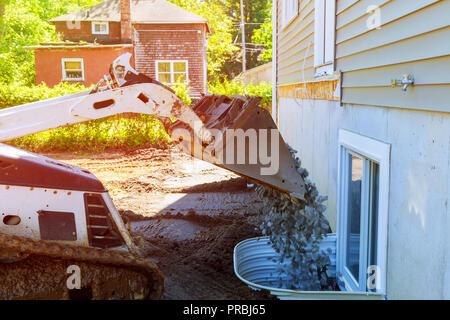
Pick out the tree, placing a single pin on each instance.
(3, 4)
(256, 13)
(263, 36)
(25, 23)
(220, 43)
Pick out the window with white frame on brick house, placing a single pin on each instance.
(172, 72)
(363, 188)
(72, 69)
(289, 10)
(324, 36)
(100, 27)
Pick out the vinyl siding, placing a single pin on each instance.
(413, 39)
(295, 45)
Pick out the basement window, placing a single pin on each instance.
(172, 72)
(289, 10)
(100, 28)
(324, 36)
(362, 212)
(72, 69)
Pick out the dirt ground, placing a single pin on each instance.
(191, 215)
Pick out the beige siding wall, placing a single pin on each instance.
(414, 39)
(295, 45)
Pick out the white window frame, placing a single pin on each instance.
(172, 73)
(289, 10)
(64, 75)
(324, 36)
(104, 23)
(378, 152)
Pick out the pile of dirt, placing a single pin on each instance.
(186, 215)
(206, 261)
(219, 252)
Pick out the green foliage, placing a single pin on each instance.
(263, 36)
(231, 88)
(182, 90)
(117, 132)
(48, 9)
(14, 95)
(220, 42)
(256, 12)
(25, 23)
(21, 28)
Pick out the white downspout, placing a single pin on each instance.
(205, 60)
(274, 60)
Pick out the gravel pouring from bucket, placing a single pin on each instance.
(237, 119)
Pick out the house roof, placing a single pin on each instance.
(77, 45)
(142, 11)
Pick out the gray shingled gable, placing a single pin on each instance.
(142, 11)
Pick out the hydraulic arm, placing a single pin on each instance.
(231, 132)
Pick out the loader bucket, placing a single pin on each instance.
(246, 141)
(232, 132)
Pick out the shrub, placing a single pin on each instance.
(14, 95)
(182, 90)
(231, 88)
(115, 132)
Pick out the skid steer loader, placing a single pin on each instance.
(56, 218)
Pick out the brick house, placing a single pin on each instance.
(168, 43)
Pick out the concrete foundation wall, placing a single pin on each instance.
(419, 216)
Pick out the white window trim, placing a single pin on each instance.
(102, 23)
(288, 16)
(324, 36)
(378, 152)
(172, 80)
(64, 76)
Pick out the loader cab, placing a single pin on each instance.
(45, 199)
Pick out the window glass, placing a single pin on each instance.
(163, 66)
(324, 36)
(179, 77)
(179, 66)
(354, 215)
(164, 77)
(73, 65)
(100, 28)
(362, 212)
(373, 219)
(72, 69)
(74, 74)
(172, 72)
